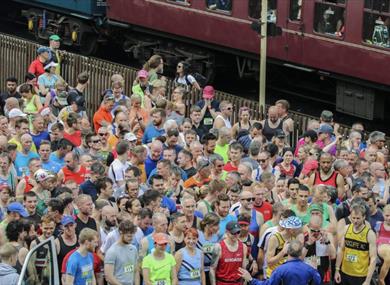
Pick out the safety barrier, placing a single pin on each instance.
(16, 54)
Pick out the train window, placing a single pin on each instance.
(329, 18)
(254, 10)
(376, 23)
(220, 5)
(295, 10)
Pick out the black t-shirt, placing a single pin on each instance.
(91, 223)
(190, 172)
(4, 96)
(36, 219)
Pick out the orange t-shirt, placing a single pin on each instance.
(101, 115)
(192, 182)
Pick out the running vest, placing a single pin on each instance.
(28, 186)
(78, 177)
(271, 268)
(269, 132)
(190, 269)
(383, 235)
(331, 181)
(41, 258)
(229, 262)
(356, 253)
(64, 250)
(207, 246)
(226, 121)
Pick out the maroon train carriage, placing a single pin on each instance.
(345, 39)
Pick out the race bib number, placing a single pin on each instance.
(313, 260)
(195, 274)
(128, 268)
(208, 248)
(86, 270)
(160, 282)
(352, 258)
(208, 121)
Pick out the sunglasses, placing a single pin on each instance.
(97, 141)
(248, 199)
(261, 160)
(315, 231)
(162, 244)
(235, 234)
(103, 134)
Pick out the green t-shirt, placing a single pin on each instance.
(159, 270)
(222, 151)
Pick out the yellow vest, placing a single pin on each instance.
(356, 258)
(278, 249)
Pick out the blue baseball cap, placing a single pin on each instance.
(43, 49)
(292, 222)
(17, 208)
(326, 129)
(66, 220)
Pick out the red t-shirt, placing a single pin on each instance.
(97, 263)
(36, 68)
(265, 209)
(229, 167)
(75, 138)
(78, 177)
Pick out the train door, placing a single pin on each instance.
(40, 265)
(295, 29)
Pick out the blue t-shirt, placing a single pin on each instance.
(81, 268)
(51, 166)
(151, 132)
(169, 204)
(56, 159)
(150, 164)
(223, 222)
(38, 138)
(21, 162)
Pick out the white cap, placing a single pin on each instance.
(15, 112)
(50, 64)
(41, 175)
(45, 111)
(130, 137)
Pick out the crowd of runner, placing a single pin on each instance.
(151, 190)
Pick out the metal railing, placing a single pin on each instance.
(16, 55)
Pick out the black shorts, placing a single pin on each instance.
(351, 280)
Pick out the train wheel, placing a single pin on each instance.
(89, 45)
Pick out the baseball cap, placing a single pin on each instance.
(327, 116)
(160, 238)
(311, 134)
(108, 97)
(17, 208)
(292, 222)
(4, 186)
(280, 134)
(16, 113)
(54, 38)
(309, 166)
(41, 175)
(130, 137)
(142, 74)
(208, 92)
(325, 129)
(50, 64)
(233, 227)
(66, 220)
(42, 50)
